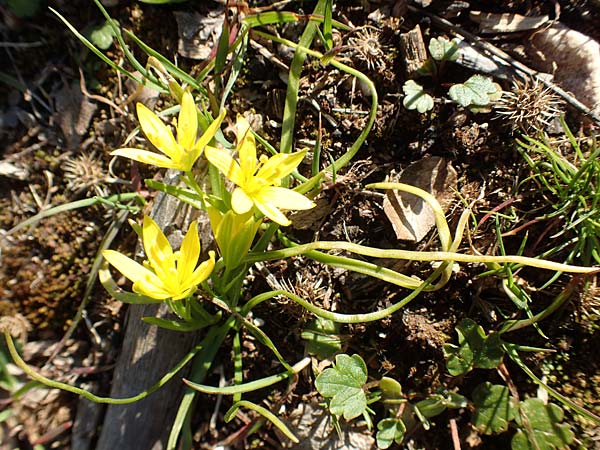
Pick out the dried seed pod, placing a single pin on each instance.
(84, 172)
(529, 105)
(367, 47)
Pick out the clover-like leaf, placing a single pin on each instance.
(474, 349)
(495, 408)
(390, 431)
(343, 383)
(442, 49)
(322, 336)
(477, 91)
(544, 419)
(415, 97)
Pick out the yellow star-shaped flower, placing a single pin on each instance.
(166, 274)
(180, 154)
(259, 182)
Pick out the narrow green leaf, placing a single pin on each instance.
(263, 412)
(322, 336)
(175, 325)
(327, 25)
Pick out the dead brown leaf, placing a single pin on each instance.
(198, 33)
(573, 57)
(507, 22)
(73, 113)
(412, 217)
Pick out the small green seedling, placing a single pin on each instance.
(477, 91)
(343, 384)
(102, 36)
(442, 49)
(389, 431)
(416, 98)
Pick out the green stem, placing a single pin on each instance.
(293, 84)
(251, 385)
(345, 318)
(418, 256)
(95, 398)
(200, 367)
(190, 180)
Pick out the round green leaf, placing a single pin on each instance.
(495, 408)
(343, 383)
(548, 432)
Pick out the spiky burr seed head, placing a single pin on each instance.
(84, 172)
(529, 105)
(367, 46)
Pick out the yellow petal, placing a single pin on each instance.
(187, 123)
(272, 213)
(223, 161)
(204, 270)
(128, 267)
(209, 134)
(158, 250)
(146, 157)
(283, 198)
(151, 286)
(189, 253)
(280, 166)
(246, 146)
(157, 132)
(184, 294)
(240, 202)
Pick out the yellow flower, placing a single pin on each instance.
(258, 183)
(166, 274)
(180, 154)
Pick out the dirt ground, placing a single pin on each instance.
(62, 111)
